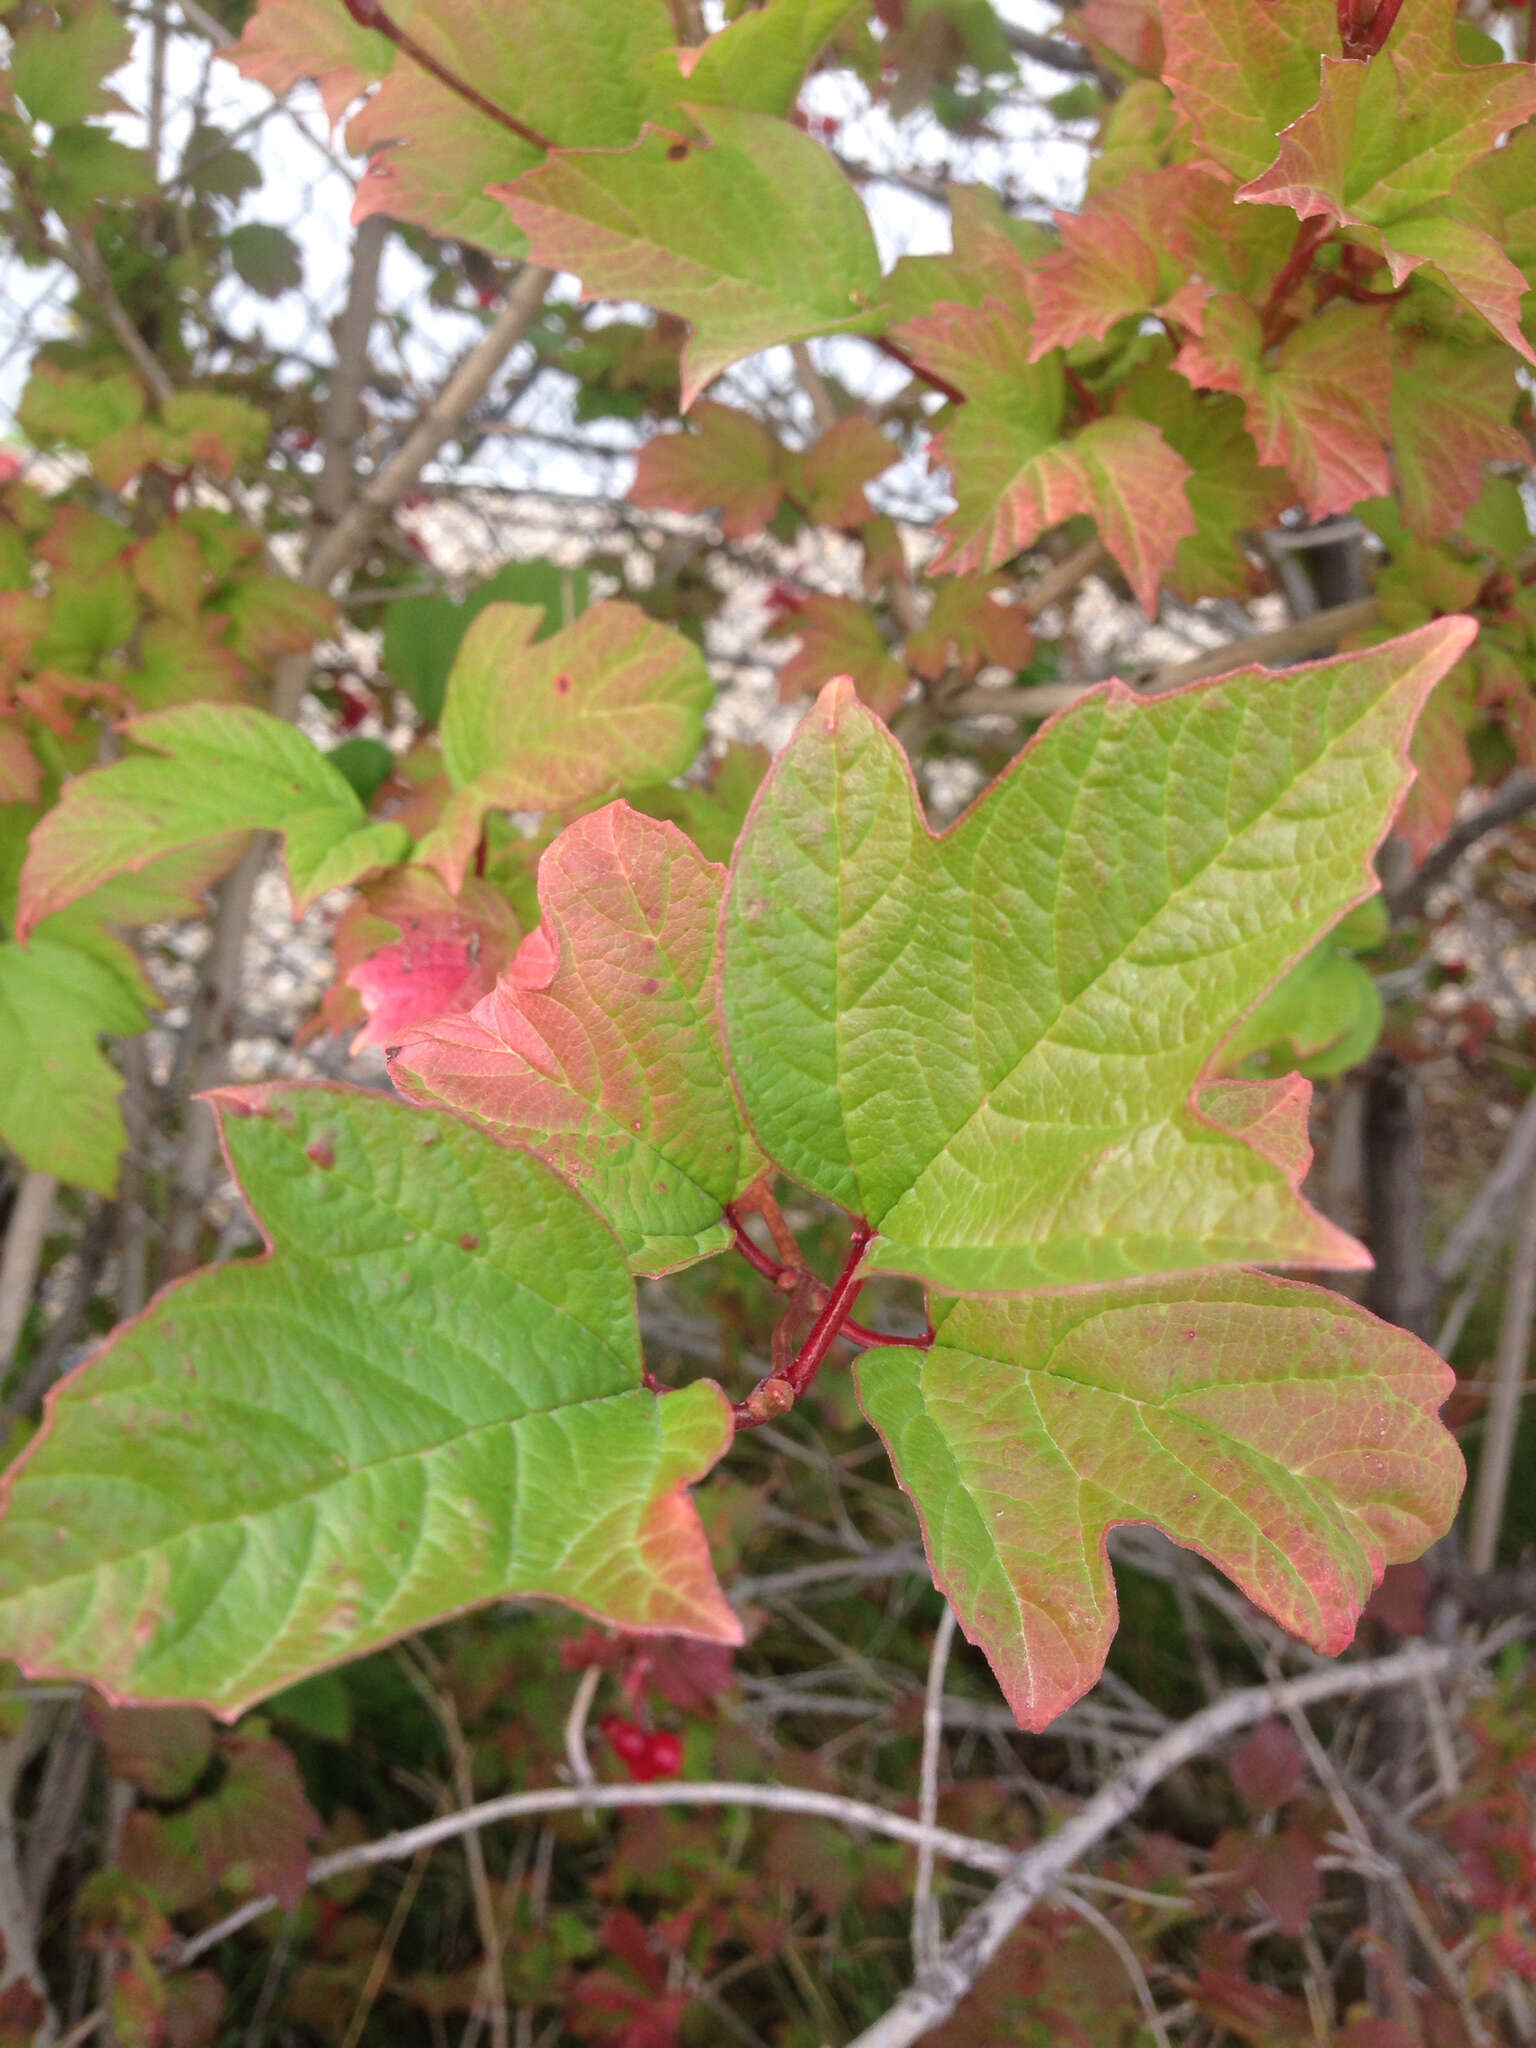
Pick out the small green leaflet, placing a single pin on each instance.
(428, 1396)
(1281, 1431)
(611, 701)
(600, 1047)
(58, 1092)
(215, 769)
(753, 234)
(989, 1045)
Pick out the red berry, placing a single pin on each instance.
(645, 1756)
(665, 1758)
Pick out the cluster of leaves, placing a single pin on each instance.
(1051, 1064)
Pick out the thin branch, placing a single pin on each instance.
(1072, 59)
(344, 401)
(849, 1813)
(1319, 630)
(25, 1236)
(1503, 1420)
(927, 1926)
(18, 1914)
(1129, 1961)
(370, 14)
(83, 259)
(1516, 797)
(931, 2000)
(1490, 1207)
(781, 1390)
(576, 1731)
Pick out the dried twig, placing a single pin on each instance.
(1516, 797)
(1503, 1417)
(1129, 1961)
(1310, 635)
(25, 1236)
(927, 1928)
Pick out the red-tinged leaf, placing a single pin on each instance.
(723, 460)
(1124, 254)
(288, 40)
(194, 2009)
(81, 541)
(1443, 762)
(182, 664)
(1131, 30)
(600, 1049)
(1231, 494)
(162, 1750)
(839, 637)
(1452, 407)
(571, 71)
(828, 479)
(449, 953)
(1223, 1993)
(1382, 149)
(257, 1825)
(1320, 408)
(1242, 70)
(1015, 478)
(55, 699)
(758, 60)
(753, 235)
(21, 773)
(611, 701)
(270, 616)
(172, 571)
(23, 622)
(968, 626)
(1279, 1430)
(1269, 1766)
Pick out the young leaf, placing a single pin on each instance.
(610, 700)
(423, 635)
(1381, 152)
(447, 953)
(428, 1395)
(758, 61)
(1015, 477)
(1452, 412)
(723, 460)
(1320, 407)
(753, 235)
(600, 1048)
(838, 637)
(1279, 1430)
(1241, 70)
(216, 769)
(285, 41)
(989, 1044)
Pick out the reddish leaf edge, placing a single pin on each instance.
(1440, 644)
(250, 1100)
(1332, 1644)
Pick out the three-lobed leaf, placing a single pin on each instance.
(215, 769)
(600, 1047)
(428, 1395)
(1281, 1431)
(989, 1044)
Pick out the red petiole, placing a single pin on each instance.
(372, 14)
(786, 1277)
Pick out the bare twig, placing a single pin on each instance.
(18, 1915)
(927, 1928)
(1516, 797)
(1287, 643)
(1129, 1961)
(25, 1237)
(1073, 59)
(344, 401)
(1508, 1385)
(576, 1756)
(931, 2000)
(1493, 1200)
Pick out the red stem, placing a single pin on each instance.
(784, 1277)
(1310, 237)
(898, 354)
(1364, 25)
(784, 1389)
(371, 14)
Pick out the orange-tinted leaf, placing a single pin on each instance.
(828, 479)
(723, 460)
(967, 626)
(839, 637)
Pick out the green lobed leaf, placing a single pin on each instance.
(610, 700)
(989, 1044)
(58, 1091)
(753, 235)
(216, 769)
(1242, 70)
(427, 1396)
(600, 1048)
(1452, 413)
(723, 460)
(57, 67)
(1279, 1430)
(422, 635)
(758, 61)
(284, 41)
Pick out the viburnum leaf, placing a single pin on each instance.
(1231, 493)
(568, 70)
(990, 1044)
(1320, 407)
(758, 61)
(600, 1048)
(1241, 70)
(723, 461)
(162, 1750)
(838, 637)
(610, 700)
(1279, 1430)
(447, 952)
(1385, 144)
(21, 773)
(80, 410)
(1014, 475)
(827, 479)
(57, 67)
(285, 41)
(215, 769)
(992, 258)
(969, 625)
(427, 1396)
(256, 1818)
(1128, 29)
(753, 234)
(1452, 412)
(58, 1092)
